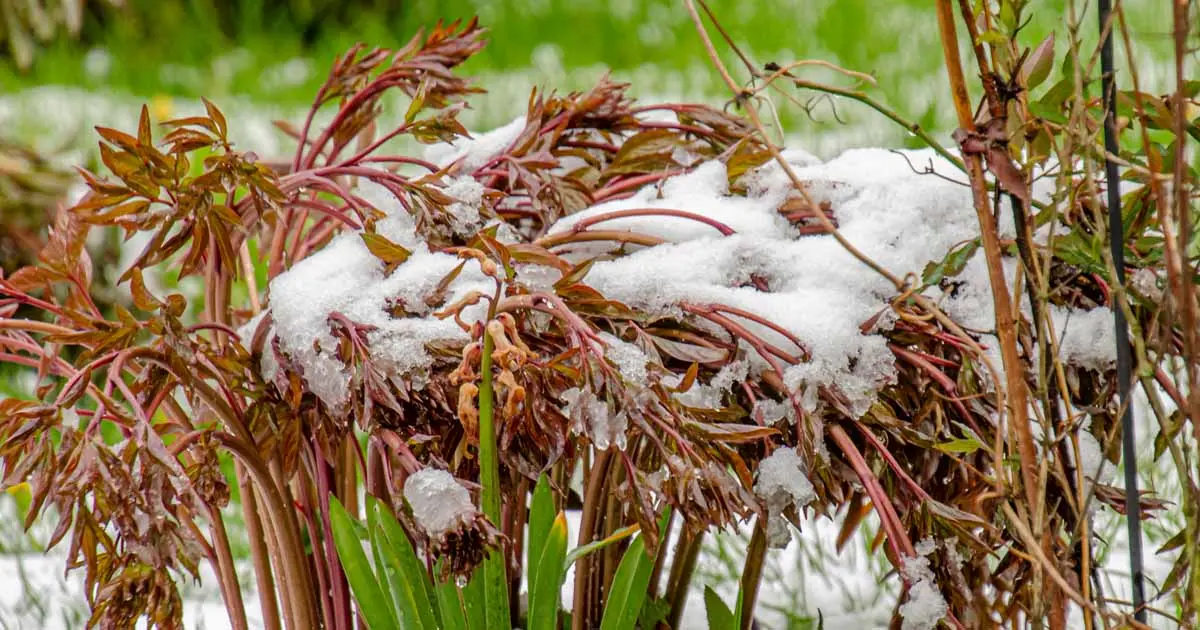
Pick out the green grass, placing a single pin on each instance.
(563, 43)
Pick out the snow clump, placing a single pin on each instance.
(439, 503)
(345, 277)
(925, 606)
(782, 484)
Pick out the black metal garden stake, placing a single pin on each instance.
(1116, 241)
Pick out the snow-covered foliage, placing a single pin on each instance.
(346, 278)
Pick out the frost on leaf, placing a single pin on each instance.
(782, 484)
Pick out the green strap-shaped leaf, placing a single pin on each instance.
(550, 571)
(629, 585)
(451, 603)
(410, 585)
(719, 615)
(474, 597)
(375, 607)
(541, 518)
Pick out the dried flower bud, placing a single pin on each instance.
(514, 334)
(513, 392)
(486, 265)
(465, 373)
(468, 413)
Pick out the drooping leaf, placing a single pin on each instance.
(1038, 64)
(950, 266)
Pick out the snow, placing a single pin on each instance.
(477, 150)
(782, 484)
(628, 358)
(345, 277)
(925, 606)
(1086, 338)
(465, 211)
(439, 503)
(815, 289)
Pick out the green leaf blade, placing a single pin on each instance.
(410, 583)
(630, 584)
(372, 603)
(546, 577)
(718, 614)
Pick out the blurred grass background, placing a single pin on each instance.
(269, 56)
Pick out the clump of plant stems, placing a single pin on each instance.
(136, 408)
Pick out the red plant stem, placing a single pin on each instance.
(34, 326)
(897, 537)
(785, 333)
(621, 236)
(587, 529)
(402, 159)
(937, 375)
(291, 553)
(339, 589)
(768, 353)
(316, 236)
(764, 348)
(329, 185)
(895, 465)
(345, 110)
(692, 129)
(585, 223)
(1164, 381)
(322, 568)
(356, 158)
(231, 591)
(213, 326)
(633, 182)
(592, 144)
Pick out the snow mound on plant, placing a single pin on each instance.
(817, 290)
(782, 484)
(346, 278)
(720, 248)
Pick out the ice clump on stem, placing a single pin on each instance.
(782, 484)
(439, 503)
(629, 359)
(590, 416)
